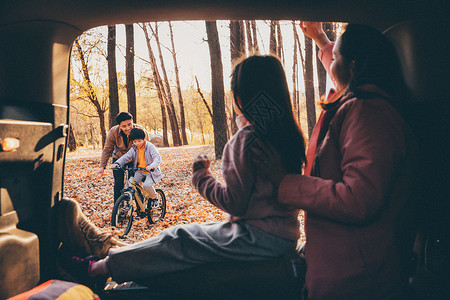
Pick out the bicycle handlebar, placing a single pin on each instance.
(125, 168)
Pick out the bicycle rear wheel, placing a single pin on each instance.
(157, 208)
(122, 214)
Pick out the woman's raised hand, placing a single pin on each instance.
(315, 31)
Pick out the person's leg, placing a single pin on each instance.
(119, 176)
(186, 246)
(148, 186)
(79, 236)
(147, 183)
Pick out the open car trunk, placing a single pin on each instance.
(34, 68)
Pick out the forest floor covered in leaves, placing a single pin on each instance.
(184, 204)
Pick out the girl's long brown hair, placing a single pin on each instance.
(260, 84)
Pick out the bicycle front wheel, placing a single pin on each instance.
(157, 208)
(122, 214)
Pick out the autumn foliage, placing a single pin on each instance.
(184, 205)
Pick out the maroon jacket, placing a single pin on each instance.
(359, 224)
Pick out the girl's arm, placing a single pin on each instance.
(238, 173)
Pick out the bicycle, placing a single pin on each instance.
(135, 199)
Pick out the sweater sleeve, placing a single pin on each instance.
(155, 155)
(108, 149)
(127, 157)
(326, 57)
(372, 148)
(232, 196)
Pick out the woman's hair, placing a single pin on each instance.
(137, 134)
(375, 61)
(260, 84)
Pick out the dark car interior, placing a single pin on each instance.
(36, 39)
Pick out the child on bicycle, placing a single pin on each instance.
(144, 155)
(258, 228)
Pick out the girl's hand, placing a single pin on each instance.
(315, 31)
(114, 166)
(201, 162)
(150, 169)
(268, 161)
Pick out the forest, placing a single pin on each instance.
(173, 77)
(171, 86)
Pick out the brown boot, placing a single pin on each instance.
(79, 234)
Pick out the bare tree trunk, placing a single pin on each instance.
(180, 96)
(203, 98)
(164, 123)
(237, 49)
(295, 99)
(273, 38)
(90, 91)
(309, 86)
(237, 42)
(248, 31)
(218, 94)
(156, 78)
(170, 107)
(302, 60)
(321, 72)
(280, 50)
(129, 70)
(72, 143)
(112, 76)
(255, 37)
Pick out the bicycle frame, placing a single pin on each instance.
(124, 208)
(131, 182)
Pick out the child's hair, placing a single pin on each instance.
(137, 134)
(123, 116)
(260, 84)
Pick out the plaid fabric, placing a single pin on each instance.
(57, 289)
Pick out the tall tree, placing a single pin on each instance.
(248, 32)
(295, 95)
(255, 39)
(237, 49)
(309, 85)
(166, 85)
(180, 95)
(129, 70)
(71, 142)
(237, 41)
(280, 49)
(89, 88)
(203, 98)
(217, 86)
(273, 38)
(112, 76)
(157, 81)
(302, 60)
(321, 72)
